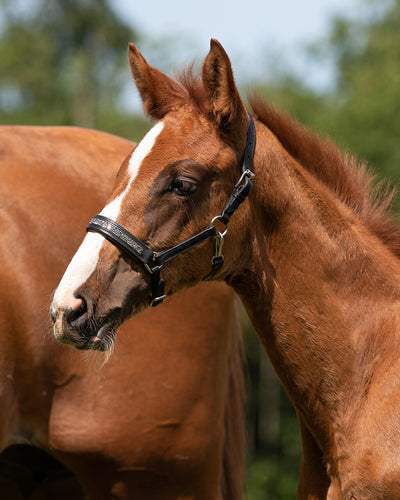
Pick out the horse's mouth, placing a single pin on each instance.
(96, 338)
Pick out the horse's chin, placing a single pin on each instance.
(92, 342)
(102, 340)
(98, 344)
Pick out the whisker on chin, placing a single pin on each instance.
(98, 359)
(87, 358)
(109, 352)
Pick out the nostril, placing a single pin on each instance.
(76, 312)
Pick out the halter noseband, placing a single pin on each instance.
(153, 261)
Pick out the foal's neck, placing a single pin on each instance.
(316, 287)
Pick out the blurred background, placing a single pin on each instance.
(335, 65)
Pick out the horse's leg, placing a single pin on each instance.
(314, 481)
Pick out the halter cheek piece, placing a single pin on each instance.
(153, 261)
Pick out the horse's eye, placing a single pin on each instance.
(184, 186)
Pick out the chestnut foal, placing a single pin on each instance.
(310, 249)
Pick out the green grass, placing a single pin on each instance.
(270, 478)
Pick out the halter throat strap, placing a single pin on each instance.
(153, 261)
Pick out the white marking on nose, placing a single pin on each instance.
(85, 260)
(78, 271)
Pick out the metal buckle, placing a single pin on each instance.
(246, 173)
(219, 243)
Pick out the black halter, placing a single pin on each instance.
(153, 261)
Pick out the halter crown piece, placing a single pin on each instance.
(153, 261)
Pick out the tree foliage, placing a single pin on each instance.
(367, 118)
(63, 63)
(362, 112)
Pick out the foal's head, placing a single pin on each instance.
(175, 182)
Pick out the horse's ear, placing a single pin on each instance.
(159, 93)
(226, 104)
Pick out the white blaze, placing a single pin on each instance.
(85, 260)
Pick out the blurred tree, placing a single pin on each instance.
(362, 112)
(59, 60)
(367, 118)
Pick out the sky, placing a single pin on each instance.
(260, 36)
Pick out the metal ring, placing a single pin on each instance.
(218, 217)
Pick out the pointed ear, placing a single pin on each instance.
(159, 93)
(226, 104)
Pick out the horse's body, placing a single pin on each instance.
(162, 420)
(312, 252)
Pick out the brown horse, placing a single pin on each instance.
(163, 419)
(311, 250)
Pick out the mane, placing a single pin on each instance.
(193, 85)
(348, 178)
